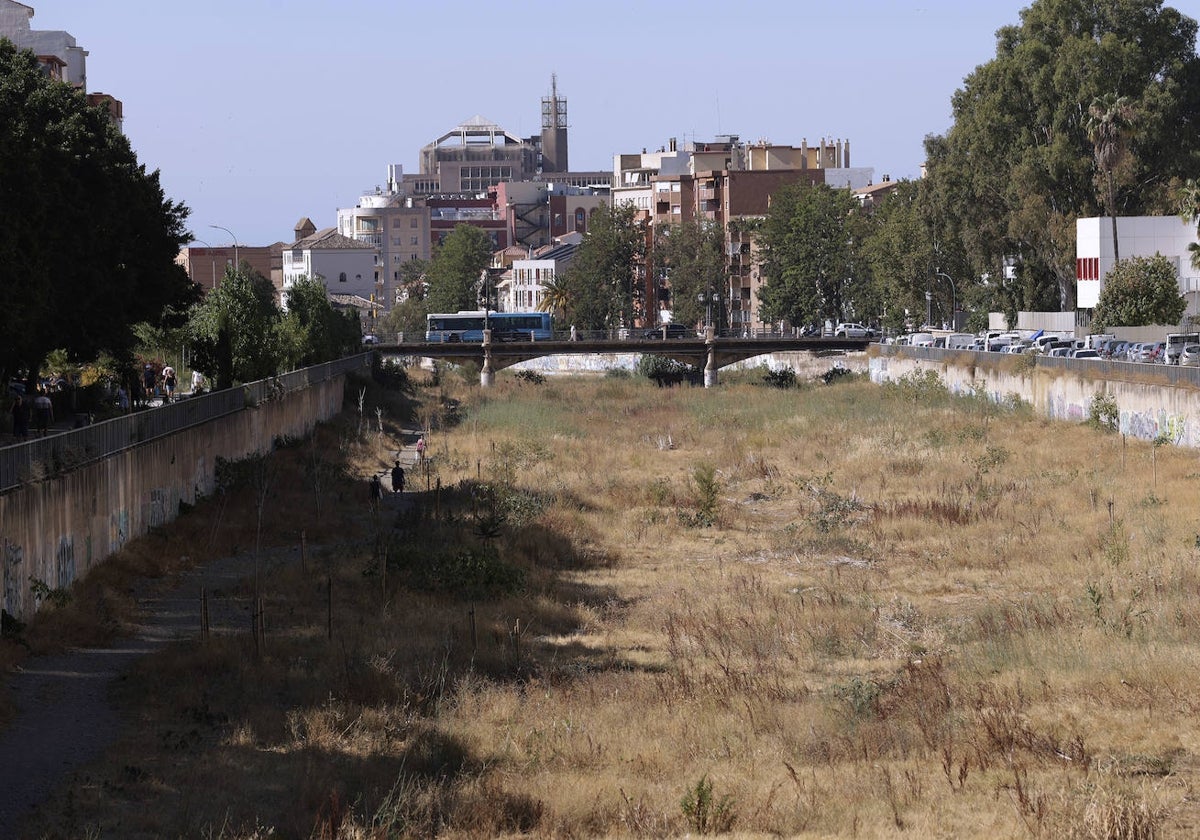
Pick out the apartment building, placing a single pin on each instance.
(729, 183)
(1139, 236)
(57, 51)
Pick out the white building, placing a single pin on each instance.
(1139, 236)
(14, 25)
(346, 266)
(524, 286)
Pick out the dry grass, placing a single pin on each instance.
(888, 612)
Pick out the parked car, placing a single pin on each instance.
(370, 339)
(1084, 353)
(672, 331)
(852, 330)
(1175, 344)
(1190, 355)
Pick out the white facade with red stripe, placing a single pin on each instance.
(1139, 236)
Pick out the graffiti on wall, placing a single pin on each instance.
(64, 562)
(118, 529)
(14, 557)
(157, 513)
(1150, 425)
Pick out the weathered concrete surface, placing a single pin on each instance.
(1151, 401)
(55, 530)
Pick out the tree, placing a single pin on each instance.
(690, 256)
(1016, 168)
(235, 330)
(900, 251)
(809, 254)
(555, 298)
(1139, 292)
(1109, 120)
(312, 331)
(453, 274)
(600, 283)
(87, 238)
(1189, 211)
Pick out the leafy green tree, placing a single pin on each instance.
(555, 298)
(1138, 292)
(809, 254)
(408, 317)
(453, 273)
(1017, 167)
(900, 251)
(691, 256)
(312, 331)
(87, 238)
(235, 330)
(600, 283)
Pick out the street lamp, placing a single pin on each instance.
(212, 260)
(953, 297)
(236, 265)
(707, 299)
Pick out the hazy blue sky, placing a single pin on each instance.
(259, 112)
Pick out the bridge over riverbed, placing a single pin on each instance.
(710, 353)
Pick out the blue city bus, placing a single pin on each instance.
(505, 326)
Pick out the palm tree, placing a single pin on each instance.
(556, 299)
(1109, 119)
(1189, 211)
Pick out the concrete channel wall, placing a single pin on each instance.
(1152, 400)
(55, 529)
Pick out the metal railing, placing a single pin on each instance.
(42, 457)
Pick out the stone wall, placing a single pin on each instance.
(55, 530)
(1152, 400)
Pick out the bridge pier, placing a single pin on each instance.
(487, 374)
(710, 365)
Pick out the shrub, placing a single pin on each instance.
(705, 813)
(785, 377)
(1103, 412)
(530, 376)
(707, 499)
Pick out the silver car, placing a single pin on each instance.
(1190, 355)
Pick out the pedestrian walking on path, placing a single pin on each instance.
(420, 449)
(397, 479)
(44, 411)
(20, 418)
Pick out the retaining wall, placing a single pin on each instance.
(1152, 400)
(55, 530)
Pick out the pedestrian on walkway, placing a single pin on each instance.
(420, 449)
(43, 409)
(20, 418)
(397, 479)
(169, 382)
(376, 490)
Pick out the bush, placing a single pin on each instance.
(664, 371)
(530, 376)
(785, 377)
(1103, 412)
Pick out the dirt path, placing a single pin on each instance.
(65, 719)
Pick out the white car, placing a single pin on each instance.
(848, 330)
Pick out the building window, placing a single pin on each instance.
(413, 222)
(415, 240)
(342, 277)
(396, 222)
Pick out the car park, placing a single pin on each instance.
(853, 330)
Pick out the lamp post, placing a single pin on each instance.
(953, 298)
(212, 260)
(236, 265)
(707, 299)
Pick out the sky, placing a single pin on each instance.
(260, 112)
